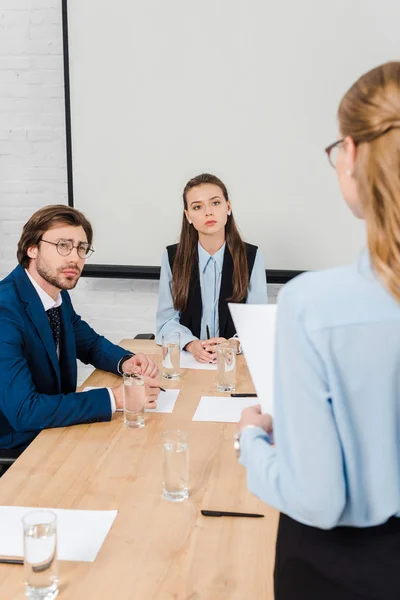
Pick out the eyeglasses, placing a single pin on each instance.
(333, 151)
(65, 247)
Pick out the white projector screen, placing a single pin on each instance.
(248, 90)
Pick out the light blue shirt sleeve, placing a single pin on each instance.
(303, 475)
(167, 319)
(257, 292)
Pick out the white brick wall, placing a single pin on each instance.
(33, 161)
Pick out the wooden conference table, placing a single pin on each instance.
(155, 549)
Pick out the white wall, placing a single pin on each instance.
(161, 91)
(33, 161)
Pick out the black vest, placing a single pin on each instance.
(191, 316)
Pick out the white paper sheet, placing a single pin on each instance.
(80, 533)
(255, 325)
(165, 401)
(188, 361)
(222, 409)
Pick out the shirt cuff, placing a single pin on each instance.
(240, 349)
(247, 437)
(186, 339)
(121, 361)
(112, 401)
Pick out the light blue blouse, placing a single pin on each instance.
(337, 403)
(210, 267)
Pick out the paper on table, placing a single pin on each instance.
(188, 361)
(255, 324)
(80, 533)
(165, 401)
(222, 409)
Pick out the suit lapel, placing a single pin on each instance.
(194, 300)
(36, 313)
(226, 290)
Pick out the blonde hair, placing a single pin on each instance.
(370, 114)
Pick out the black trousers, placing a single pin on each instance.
(345, 563)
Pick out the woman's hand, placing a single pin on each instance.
(210, 344)
(253, 416)
(197, 348)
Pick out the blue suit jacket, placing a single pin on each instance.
(37, 390)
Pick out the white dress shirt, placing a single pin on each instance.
(210, 269)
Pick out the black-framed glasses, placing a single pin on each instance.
(332, 152)
(65, 247)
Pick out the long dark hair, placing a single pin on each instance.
(186, 254)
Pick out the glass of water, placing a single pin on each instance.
(171, 355)
(134, 400)
(40, 555)
(175, 465)
(226, 366)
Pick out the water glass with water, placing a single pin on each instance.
(171, 355)
(40, 555)
(175, 465)
(134, 400)
(226, 366)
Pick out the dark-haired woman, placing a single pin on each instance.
(209, 267)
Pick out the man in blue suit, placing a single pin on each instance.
(41, 336)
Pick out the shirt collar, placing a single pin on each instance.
(46, 300)
(205, 258)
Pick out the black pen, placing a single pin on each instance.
(161, 389)
(222, 513)
(11, 561)
(244, 395)
(208, 337)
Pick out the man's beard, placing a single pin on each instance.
(56, 279)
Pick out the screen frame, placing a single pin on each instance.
(274, 276)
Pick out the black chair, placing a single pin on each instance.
(7, 458)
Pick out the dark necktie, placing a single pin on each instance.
(54, 316)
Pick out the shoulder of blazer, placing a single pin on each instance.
(172, 250)
(251, 248)
(251, 252)
(16, 287)
(7, 288)
(12, 304)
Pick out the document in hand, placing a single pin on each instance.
(255, 325)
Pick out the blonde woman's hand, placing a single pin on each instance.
(253, 416)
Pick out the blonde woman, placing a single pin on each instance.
(335, 470)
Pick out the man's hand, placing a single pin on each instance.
(151, 390)
(118, 393)
(142, 364)
(253, 416)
